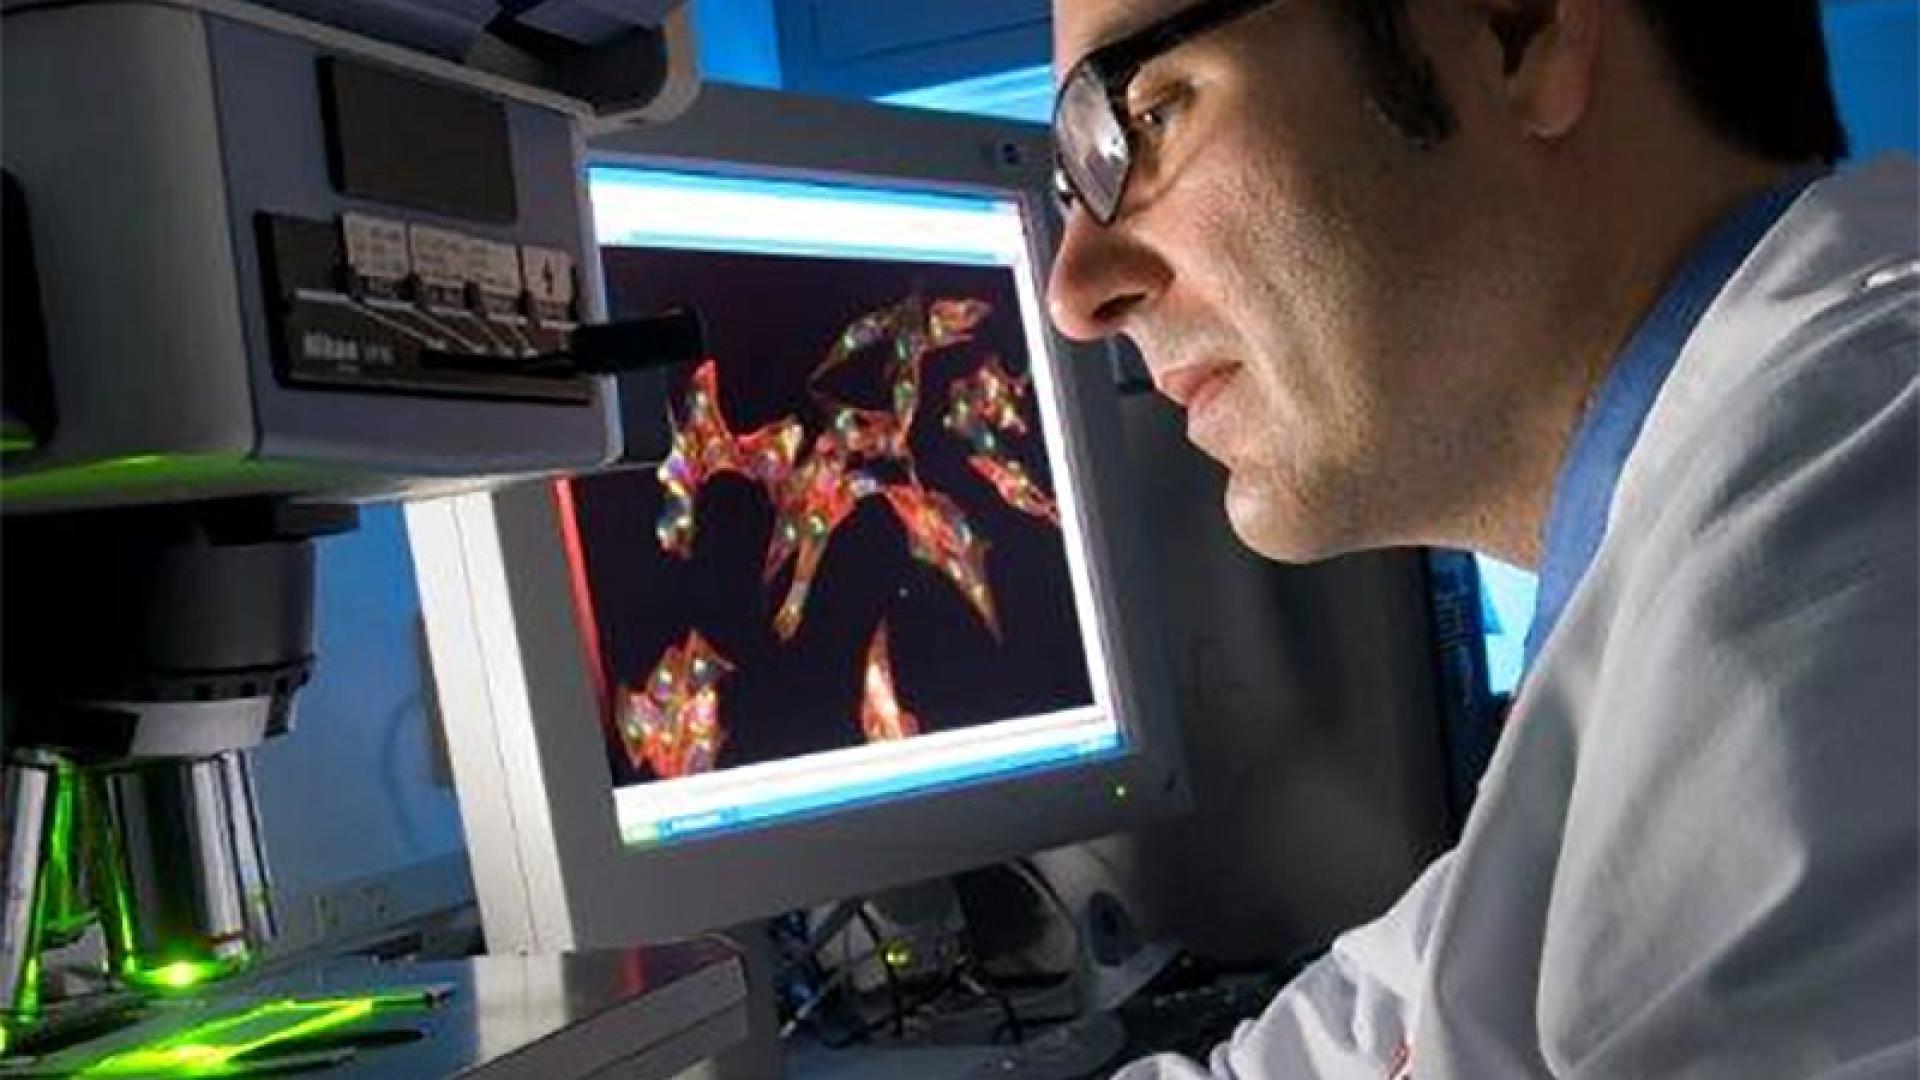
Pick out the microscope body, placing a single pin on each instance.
(259, 271)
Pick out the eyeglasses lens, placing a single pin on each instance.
(1092, 144)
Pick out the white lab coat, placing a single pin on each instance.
(1697, 850)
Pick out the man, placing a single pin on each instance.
(1569, 282)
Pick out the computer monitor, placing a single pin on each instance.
(867, 604)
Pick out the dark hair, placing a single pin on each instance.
(1755, 69)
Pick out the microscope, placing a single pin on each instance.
(264, 265)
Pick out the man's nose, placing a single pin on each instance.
(1100, 278)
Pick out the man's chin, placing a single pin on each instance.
(1275, 525)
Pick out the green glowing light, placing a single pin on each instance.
(210, 474)
(64, 914)
(896, 955)
(55, 889)
(177, 976)
(212, 1049)
(184, 973)
(112, 890)
(1120, 792)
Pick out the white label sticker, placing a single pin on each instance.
(495, 268)
(549, 274)
(376, 247)
(440, 256)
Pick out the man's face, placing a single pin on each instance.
(1316, 290)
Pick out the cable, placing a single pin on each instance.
(886, 967)
(836, 920)
(812, 1005)
(964, 972)
(811, 941)
(1009, 1017)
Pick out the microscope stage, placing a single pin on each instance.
(645, 1012)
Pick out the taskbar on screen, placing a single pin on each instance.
(652, 818)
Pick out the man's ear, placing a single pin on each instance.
(1549, 50)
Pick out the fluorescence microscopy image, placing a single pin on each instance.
(856, 531)
(671, 723)
(987, 408)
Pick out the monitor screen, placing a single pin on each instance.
(862, 573)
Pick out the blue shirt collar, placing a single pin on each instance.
(1583, 492)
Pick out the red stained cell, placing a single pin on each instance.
(984, 409)
(939, 534)
(704, 447)
(881, 716)
(818, 496)
(672, 723)
(1016, 488)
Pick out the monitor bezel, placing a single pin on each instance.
(550, 868)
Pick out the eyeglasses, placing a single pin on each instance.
(1093, 145)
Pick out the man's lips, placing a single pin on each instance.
(1187, 385)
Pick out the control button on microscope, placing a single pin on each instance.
(440, 261)
(549, 275)
(495, 268)
(376, 247)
